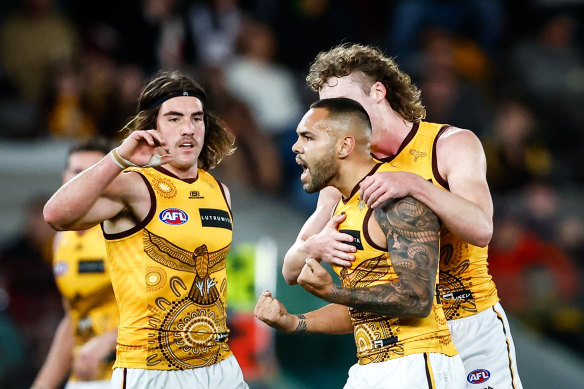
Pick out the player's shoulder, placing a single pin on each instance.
(456, 139)
(453, 132)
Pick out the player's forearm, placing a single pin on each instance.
(74, 199)
(59, 358)
(332, 319)
(461, 216)
(396, 299)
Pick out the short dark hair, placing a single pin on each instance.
(342, 106)
(218, 142)
(97, 144)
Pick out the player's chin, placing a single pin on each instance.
(184, 163)
(309, 186)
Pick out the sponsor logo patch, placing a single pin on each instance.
(91, 266)
(478, 376)
(460, 295)
(356, 238)
(173, 216)
(195, 194)
(215, 218)
(384, 342)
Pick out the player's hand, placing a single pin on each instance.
(315, 279)
(87, 361)
(273, 313)
(140, 147)
(380, 187)
(329, 244)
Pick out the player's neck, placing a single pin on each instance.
(182, 173)
(351, 173)
(387, 138)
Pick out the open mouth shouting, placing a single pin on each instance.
(305, 169)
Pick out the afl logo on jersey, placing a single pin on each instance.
(173, 216)
(478, 376)
(60, 268)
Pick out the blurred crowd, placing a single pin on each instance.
(513, 72)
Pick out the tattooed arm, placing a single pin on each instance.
(411, 231)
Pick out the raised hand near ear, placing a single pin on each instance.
(142, 148)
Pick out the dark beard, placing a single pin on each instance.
(321, 174)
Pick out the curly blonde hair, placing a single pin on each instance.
(369, 65)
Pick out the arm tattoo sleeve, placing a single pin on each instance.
(301, 327)
(412, 232)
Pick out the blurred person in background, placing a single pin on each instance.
(442, 166)
(168, 230)
(537, 279)
(35, 305)
(303, 27)
(547, 67)
(515, 153)
(68, 114)
(34, 39)
(213, 27)
(480, 20)
(271, 91)
(13, 355)
(257, 163)
(84, 344)
(453, 74)
(269, 88)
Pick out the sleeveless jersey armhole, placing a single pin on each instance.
(435, 171)
(139, 226)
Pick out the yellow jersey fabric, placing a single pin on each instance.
(380, 338)
(465, 286)
(169, 275)
(82, 276)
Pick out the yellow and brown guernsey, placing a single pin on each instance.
(465, 286)
(169, 274)
(380, 338)
(81, 274)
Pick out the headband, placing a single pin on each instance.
(194, 93)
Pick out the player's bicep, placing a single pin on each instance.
(412, 232)
(462, 162)
(103, 209)
(127, 192)
(473, 189)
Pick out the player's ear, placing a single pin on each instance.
(347, 145)
(378, 91)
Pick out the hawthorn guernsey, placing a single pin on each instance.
(178, 259)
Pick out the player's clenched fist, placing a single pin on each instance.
(273, 313)
(315, 279)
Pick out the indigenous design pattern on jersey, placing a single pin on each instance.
(82, 276)
(379, 338)
(465, 286)
(170, 274)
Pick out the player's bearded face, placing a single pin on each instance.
(318, 174)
